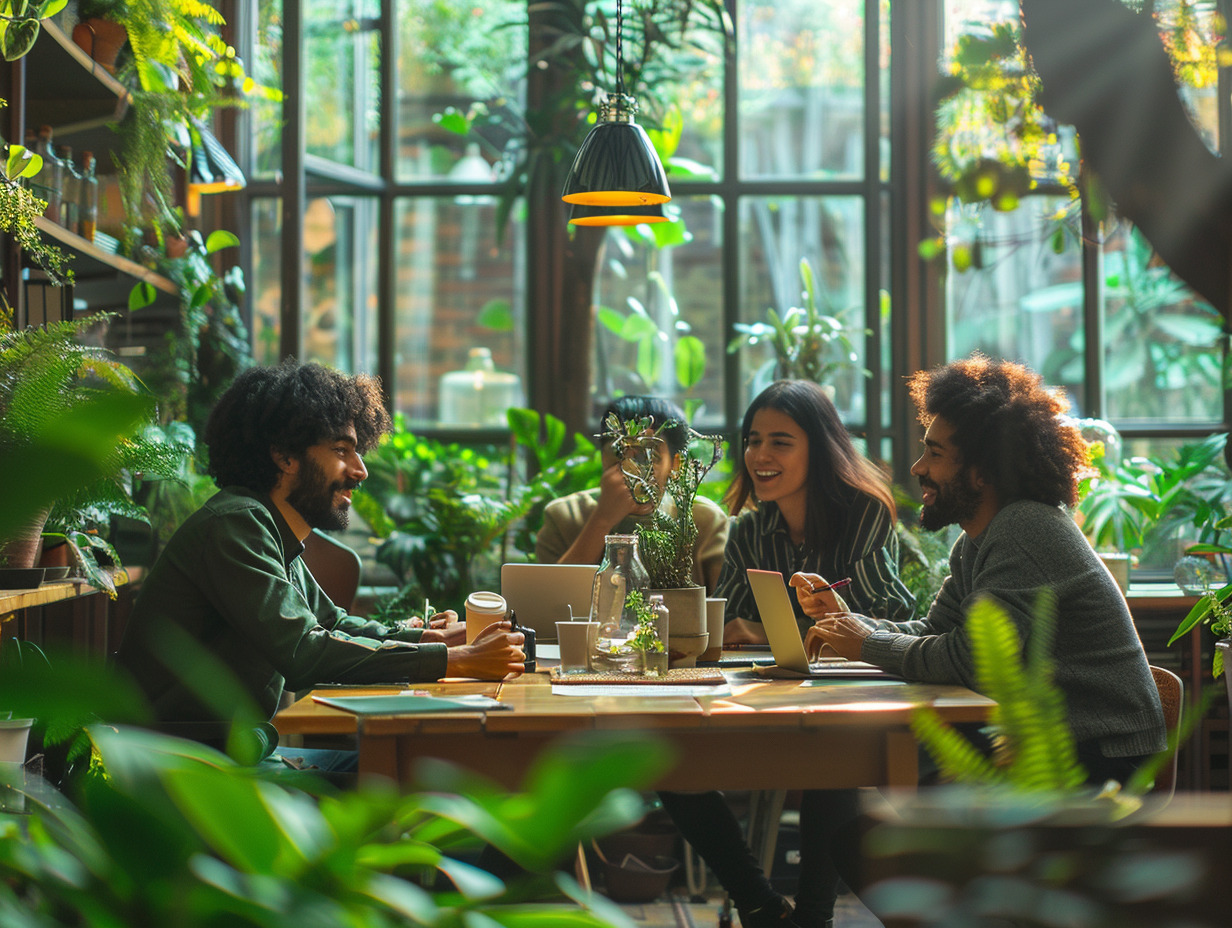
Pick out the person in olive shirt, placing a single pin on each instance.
(285, 446)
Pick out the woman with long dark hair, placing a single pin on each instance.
(807, 501)
(810, 506)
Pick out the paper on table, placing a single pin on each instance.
(638, 689)
(410, 703)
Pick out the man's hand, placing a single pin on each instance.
(742, 631)
(445, 627)
(840, 631)
(494, 654)
(615, 500)
(815, 605)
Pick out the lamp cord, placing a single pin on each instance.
(620, 62)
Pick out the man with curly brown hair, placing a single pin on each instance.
(1002, 462)
(230, 592)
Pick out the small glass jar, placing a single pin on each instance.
(620, 574)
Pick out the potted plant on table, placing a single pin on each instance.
(668, 536)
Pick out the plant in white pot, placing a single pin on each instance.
(668, 536)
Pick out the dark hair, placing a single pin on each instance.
(658, 410)
(288, 408)
(838, 474)
(1007, 425)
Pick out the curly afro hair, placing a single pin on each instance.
(1008, 426)
(289, 408)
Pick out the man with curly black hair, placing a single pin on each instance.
(230, 591)
(1002, 462)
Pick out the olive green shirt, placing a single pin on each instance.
(230, 592)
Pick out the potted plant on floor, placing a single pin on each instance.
(668, 537)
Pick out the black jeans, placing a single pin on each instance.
(826, 818)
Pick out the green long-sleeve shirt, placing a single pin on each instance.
(230, 591)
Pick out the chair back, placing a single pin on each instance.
(1171, 697)
(335, 567)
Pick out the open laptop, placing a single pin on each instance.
(541, 594)
(778, 619)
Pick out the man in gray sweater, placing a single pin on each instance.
(1000, 461)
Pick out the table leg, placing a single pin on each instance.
(902, 760)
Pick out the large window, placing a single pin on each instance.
(786, 165)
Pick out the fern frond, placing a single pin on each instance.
(958, 760)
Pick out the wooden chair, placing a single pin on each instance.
(335, 567)
(1172, 697)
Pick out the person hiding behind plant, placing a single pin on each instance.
(574, 526)
(809, 505)
(230, 595)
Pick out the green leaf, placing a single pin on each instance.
(220, 239)
(141, 296)
(638, 328)
(451, 120)
(18, 37)
(51, 7)
(22, 162)
(610, 319)
(496, 315)
(690, 361)
(524, 425)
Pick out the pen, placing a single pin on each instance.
(836, 585)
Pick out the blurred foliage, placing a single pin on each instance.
(808, 344)
(1141, 503)
(448, 514)
(162, 831)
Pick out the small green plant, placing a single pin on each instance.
(1212, 607)
(645, 636)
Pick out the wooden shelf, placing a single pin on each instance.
(92, 67)
(92, 251)
(53, 592)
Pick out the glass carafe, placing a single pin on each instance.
(620, 574)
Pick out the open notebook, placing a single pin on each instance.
(778, 618)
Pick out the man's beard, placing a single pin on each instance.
(313, 497)
(956, 501)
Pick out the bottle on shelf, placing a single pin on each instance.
(479, 395)
(46, 184)
(87, 198)
(70, 184)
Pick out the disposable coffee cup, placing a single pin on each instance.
(482, 609)
(715, 607)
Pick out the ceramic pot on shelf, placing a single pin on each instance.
(102, 40)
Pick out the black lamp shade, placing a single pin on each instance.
(581, 214)
(617, 166)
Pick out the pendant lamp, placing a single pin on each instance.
(617, 165)
(582, 215)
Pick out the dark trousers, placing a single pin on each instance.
(708, 824)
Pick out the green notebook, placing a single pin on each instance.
(407, 704)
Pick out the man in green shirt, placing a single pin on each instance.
(229, 592)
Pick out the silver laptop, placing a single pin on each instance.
(541, 594)
(778, 619)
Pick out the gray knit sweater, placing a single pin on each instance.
(1100, 664)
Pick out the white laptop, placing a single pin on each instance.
(541, 594)
(778, 618)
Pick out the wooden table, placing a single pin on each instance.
(766, 735)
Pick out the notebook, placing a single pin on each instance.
(778, 619)
(541, 594)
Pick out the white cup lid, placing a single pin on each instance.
(483, 601)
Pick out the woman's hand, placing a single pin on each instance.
(816, 604)
(841, 631)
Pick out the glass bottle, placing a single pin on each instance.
(70, 184)
(87, 198)
(47, 181)
(479, 394)
(620, 574)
